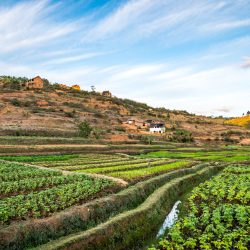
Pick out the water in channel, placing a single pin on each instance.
(170, 220)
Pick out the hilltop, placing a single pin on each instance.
(57, 110)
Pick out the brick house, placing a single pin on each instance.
(106, 93)
(76, 87)
(34, 83)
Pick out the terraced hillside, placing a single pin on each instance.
(58, 111)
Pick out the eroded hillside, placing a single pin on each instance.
(57, 111)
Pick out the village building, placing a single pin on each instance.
(34, 83)
(147, 123)
(157, 128)
(131, 121)
(76, 87)
(139, 123)
(106, 93)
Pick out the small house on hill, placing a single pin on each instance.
(76, 87)
(131, 121)
(106, 93)
(34, 83)
(157, 128)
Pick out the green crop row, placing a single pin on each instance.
(16, 172)
(104, 165)
(238, 170)
(126, 166)
(81, 161)
(32, 184)
(40, 204)
(228, 156)
(144, 172)
(218, 215)
(37, 158)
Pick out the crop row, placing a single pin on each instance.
(228, 156)
(218, 215)
(118, 164)
(31, 184)
(126, 166)
(16, 172)
(81, 161)
(148, 171)
(40, 204)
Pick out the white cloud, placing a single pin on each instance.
(246, 63)
(28, 24)
(202, 75)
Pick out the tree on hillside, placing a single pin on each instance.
(84, 129)
(11, 82)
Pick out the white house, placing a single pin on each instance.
(131, 121)
(157, 128)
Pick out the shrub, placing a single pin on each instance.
(181, 135)
(71, 114)
(120, 129)
(84, 129)
(16, 102)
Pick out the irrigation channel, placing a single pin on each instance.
(170, 220)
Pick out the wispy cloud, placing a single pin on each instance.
(177, 54)
(29, 24)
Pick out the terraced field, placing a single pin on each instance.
(49, 202)
(218, 213)
(125, 167)
(231, 154)
(29, 192)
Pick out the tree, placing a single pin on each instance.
(84, 129)
(93, 88)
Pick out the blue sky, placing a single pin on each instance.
(188, 55)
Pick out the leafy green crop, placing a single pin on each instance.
(46, 191)
(218, 215)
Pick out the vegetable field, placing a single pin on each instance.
(128, 168)
(50, 201)
(29, 192)
(218, 214)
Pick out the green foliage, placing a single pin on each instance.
(149, 170)
(181, 135)
(12, 83)
(59, 191)
(16, 102)
(119, 128)
(218, 215)
(38, 158)
(230, 155)
(84, 129)
(248, 125)
(73, 104)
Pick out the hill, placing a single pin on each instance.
(57, 110)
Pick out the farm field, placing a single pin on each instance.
(125, 167)
(218, 213)
(74, 193)
(28, 192)
(234, 154)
